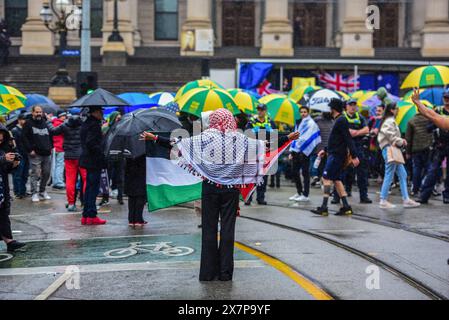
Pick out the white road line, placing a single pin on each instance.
(114, 267)
(54, 286)
(112, 237)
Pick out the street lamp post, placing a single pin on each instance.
(68, 16)
(115, 35)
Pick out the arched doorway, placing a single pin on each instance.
(96, 21)
(387, 35)
(238, 19)
(309, 23)
(16, 12)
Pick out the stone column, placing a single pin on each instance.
(356, 38)
(36, 38)
(198, 18)
(418, 18)
(435, 34)
(277, 31)
(125, 27)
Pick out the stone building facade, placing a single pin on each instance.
(274, 27)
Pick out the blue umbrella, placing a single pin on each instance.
(34, 98)
(433, 95)
(137, 100)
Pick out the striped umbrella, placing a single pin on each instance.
(196, 84)
(406, 111)
(298, 93)
(4, 109)
(319, 100)
(207, 99)
(245, 101)
(281, 108)
(162, 98)
(11, 97)
(429, 76)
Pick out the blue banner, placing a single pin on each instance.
(252, 74)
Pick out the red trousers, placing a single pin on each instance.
(71, 174)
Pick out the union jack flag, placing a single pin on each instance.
(339, 82)
(265, 88)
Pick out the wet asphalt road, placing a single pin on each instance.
(118, 262)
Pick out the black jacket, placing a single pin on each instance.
(135, 177)
(5, 166)
(17, 133)
(340, 139)
(92, 145)
(37, 137)
(71, 129)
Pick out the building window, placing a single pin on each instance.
(96, 19)
(16, 12)
(166, 22)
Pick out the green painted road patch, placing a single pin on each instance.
(165, 248)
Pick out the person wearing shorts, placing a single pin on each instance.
(340, 143)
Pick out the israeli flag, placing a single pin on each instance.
(309, 137)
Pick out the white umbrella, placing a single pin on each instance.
(319, 100)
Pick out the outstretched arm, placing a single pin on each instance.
(440, 121)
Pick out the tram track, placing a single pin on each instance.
(413, 282)
(381, 222)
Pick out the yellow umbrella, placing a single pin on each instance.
(207, 99)
(281, 108)
(428, 76)
(11, 97)
(406, 111)
(298, 92)
(244, 100)
(196, 84)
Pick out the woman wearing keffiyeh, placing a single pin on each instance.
(225, 159)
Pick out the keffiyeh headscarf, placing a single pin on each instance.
(222, 155)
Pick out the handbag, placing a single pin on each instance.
(394, 155)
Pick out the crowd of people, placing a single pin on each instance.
(69, 149)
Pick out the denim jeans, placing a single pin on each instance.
(431, 177)
(58, 172)
(420, 162)
(390, 170)
(20, 176)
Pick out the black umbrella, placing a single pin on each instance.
(123, 138)
(100, 98)
(49, 108)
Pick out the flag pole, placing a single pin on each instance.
(356, 75)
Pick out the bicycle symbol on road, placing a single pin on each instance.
(5, 257)
(164, 248)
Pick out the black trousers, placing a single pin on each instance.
(135, 208)
(5, 223)
(301, 164)
(217, 259)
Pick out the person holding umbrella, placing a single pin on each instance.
(93, 160)
(221, 179)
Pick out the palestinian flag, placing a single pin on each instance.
(167, 183)
(270, 158)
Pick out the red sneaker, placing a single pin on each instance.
(141, 224)
(95, 221)
(83, 221)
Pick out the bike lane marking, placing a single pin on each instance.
(310, 287)
(92, 251)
